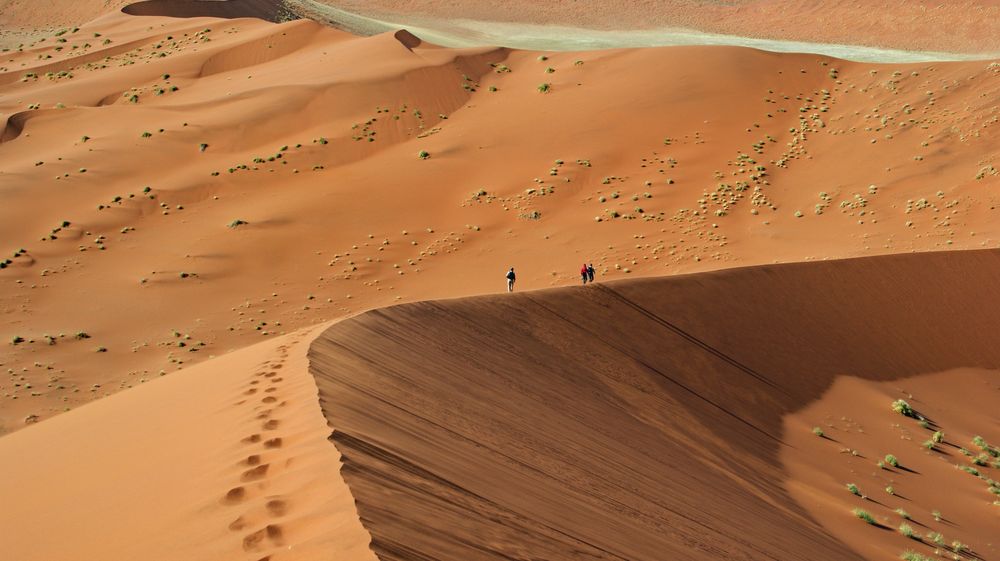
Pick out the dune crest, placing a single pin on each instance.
(650, 419)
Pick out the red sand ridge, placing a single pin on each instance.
(651, 419)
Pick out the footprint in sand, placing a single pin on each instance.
(269, 399)
(270, 390)
(276, 507)
(276, 380)
(259, 472)
(273, 443)
(252, 460)
(238, 524)
(251, 391)
(271, 425)
(270, 374)
(234, 496)
(271, 532)
(253, 438)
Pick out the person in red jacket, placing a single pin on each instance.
(584, 273)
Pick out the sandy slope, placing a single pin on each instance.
(644, 162)
(672, 418)
(174, 189)
(225, 460)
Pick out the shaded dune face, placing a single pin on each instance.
(269, 10)
(630, 420)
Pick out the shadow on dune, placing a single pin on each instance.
(629, 420)
(270, 10)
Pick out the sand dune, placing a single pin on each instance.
(269, 10)
(226, 460)
(670, 418)
(185, 190)
(237, 179)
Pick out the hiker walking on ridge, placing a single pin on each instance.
(590, 272)
(584, 273)
(510, 280)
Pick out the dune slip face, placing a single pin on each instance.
(672, 418)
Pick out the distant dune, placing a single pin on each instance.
(214, 181)
(659, 418)
(269, 10)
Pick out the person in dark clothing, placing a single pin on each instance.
(590, 272)
(583, 273)
(510, 280)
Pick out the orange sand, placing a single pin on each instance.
(225, 460)
(186, 187)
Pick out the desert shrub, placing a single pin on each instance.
(907, 531)
(864, 515)
(903, 408)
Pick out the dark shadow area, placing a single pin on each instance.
(636, 420)
(270, 10)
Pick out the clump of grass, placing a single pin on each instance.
(817, 431)
(936, 537)
(969, 470)
(853, 489)
(937, 515)
(237, 223)
(937, 437)
(891, 460)
(959, 547)
(82, 335)
(202, 147)
(423, 154)
(928, 444)
(890, 490)
(16, 340)
(864, 515)
(907, 531)
(913, 556)
(903, 514)
(903, 408)
(544, 88)
(147, 134)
